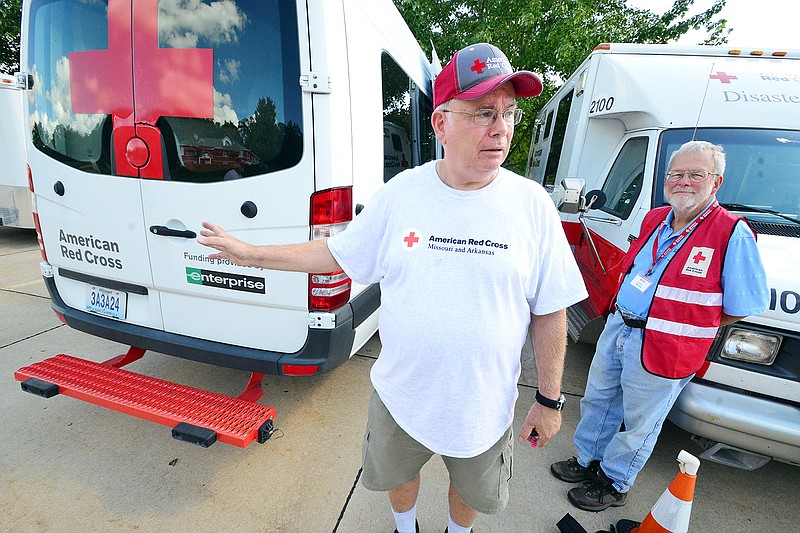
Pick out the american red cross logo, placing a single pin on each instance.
(698, 258)
(411, 239)
(164, 81)
(724, 78)
(478, 66)
(136, 82)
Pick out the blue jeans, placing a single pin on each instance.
(620, 389)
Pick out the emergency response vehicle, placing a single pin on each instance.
(138, 111)
(612, 127)
(16, 200)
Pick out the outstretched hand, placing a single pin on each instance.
(229, 247)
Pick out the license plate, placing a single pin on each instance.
(106, 302)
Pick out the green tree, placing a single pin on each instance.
(263, 133)
(10, 21)
(550, 37)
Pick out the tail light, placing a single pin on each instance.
(331, 211)
(36, 223)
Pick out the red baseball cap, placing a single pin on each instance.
(478, 70)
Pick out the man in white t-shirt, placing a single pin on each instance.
(468, 256)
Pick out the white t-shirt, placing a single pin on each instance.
(460, 273)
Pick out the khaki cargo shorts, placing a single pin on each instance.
(391, 458)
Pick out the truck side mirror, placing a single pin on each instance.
(570, 195)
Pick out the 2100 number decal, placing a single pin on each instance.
(603, 104)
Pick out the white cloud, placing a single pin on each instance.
(58, 94)
(229, 70)
(223, 109)
(181, 23)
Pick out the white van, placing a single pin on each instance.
(612, 127)
(138, 110)
(16, 200)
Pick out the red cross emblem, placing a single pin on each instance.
(478, 66)
(411, 239)
(724, 78)
(137, 82)
(699, 257)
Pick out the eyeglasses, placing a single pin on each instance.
(695, 175)
(487, 117)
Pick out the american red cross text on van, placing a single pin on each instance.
(90, 242)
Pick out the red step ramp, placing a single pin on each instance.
(234, 420)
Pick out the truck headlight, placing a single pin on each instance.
(751, 346)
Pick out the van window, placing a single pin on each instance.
(405, 108)
(624, 182)
(559, 130)
(256, 127)
(427, 138)
(537, 132)
(548, 124)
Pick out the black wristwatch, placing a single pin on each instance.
(558, 405)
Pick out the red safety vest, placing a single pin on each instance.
(686, 309)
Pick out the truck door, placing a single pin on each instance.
(156, 116)
(627, 185)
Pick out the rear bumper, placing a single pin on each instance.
(748, 422)
(327, 348)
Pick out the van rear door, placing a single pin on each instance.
(237, 161)
(154, 116)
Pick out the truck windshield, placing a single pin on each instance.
(762, 173)
(242, 56)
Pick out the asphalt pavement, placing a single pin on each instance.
(70, 466)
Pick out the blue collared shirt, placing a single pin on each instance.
(744, 281)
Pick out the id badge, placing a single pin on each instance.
(641, 283)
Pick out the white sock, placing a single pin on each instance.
(406, 522)
(452, 527)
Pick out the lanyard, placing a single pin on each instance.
(686, 231)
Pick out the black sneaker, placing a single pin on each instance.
(417, 526)
(597, 494)
(572, 471)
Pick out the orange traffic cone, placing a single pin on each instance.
(671, 512)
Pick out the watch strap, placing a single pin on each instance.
(547, 402)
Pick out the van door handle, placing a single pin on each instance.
(168, 232)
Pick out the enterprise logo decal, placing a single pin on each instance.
(225, 280)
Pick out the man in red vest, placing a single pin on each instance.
(693, 268)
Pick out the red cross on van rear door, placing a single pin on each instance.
(136, 82)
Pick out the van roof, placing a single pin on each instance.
(696, 50)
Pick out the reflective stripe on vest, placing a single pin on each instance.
(689, 297)
(682, 330)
